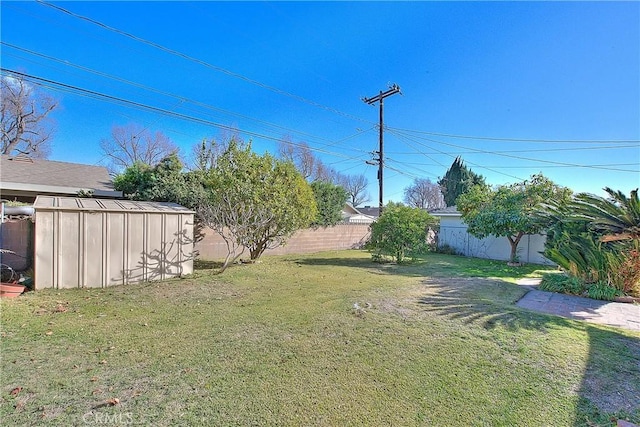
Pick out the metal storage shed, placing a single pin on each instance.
(102, 242)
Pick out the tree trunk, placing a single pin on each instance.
(257, 250)
(514, 241)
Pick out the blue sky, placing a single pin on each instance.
(514, 88)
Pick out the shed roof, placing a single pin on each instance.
(106, 205)
(448, 211)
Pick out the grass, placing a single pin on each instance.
(434, 342)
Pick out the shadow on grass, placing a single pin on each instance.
(200, 264)
(432, 265)
(610, 386)
(486, 302)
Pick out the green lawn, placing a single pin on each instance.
(436, 342)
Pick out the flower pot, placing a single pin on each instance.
(11, 290)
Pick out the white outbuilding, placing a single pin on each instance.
(86, 242)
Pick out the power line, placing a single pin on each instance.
(451, 155)
(121, 101)
(172, 95)
(534, 167)
(551, 162)
(489, 138)
(201, 62)
(544, 150)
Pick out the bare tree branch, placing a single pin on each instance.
(24, 114)
(424, 194)
(132, 143)
(356, 188)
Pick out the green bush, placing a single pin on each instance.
(562, 283)
(400, 232)
(602, 291)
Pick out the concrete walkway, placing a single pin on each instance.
(621, 315)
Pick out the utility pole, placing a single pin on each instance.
(380, 98)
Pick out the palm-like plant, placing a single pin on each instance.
(615, 218)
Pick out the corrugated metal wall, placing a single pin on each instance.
(106, 244)
(453, 232)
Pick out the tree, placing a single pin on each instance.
(306, 162)
(27, 128)
(356, 188)
(165, 182)
(458, 180)
(424, 194)
(330, 200)
(597, 239)
(615, 218)
(400, 231)
(255, 202)
(132, 143)
(205, 154)
(302, 158)
(509, 210)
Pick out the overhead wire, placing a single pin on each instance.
(544, 150)
(539, 140)
(451, 155)
(202, 62)
(121, 101)
(551, 162)
(178, 97)
(407, 134)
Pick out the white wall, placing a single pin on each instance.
(453, 232)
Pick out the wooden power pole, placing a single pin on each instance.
(380, 98)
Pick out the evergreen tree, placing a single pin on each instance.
(458, 180)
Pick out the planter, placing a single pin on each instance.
(11, 290)
(627, 299)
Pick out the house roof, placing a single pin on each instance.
(448, 211)
(368, 210)
(38, 176)
(348, 209)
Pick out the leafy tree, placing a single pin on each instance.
(330, 200)
(400, 231)
(205, 154)
(24, 118)
(165, 182)
(615, 218)
(424, 194)
(134, 181)
(458, 180)
(133, 143)
(597, 239)
(255, 202)
(509, 210)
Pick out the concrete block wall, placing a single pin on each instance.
(17, 236)
(339, 237)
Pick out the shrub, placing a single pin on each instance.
(400, 231)
(602, 291)
(626, 275)
(562, 283)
